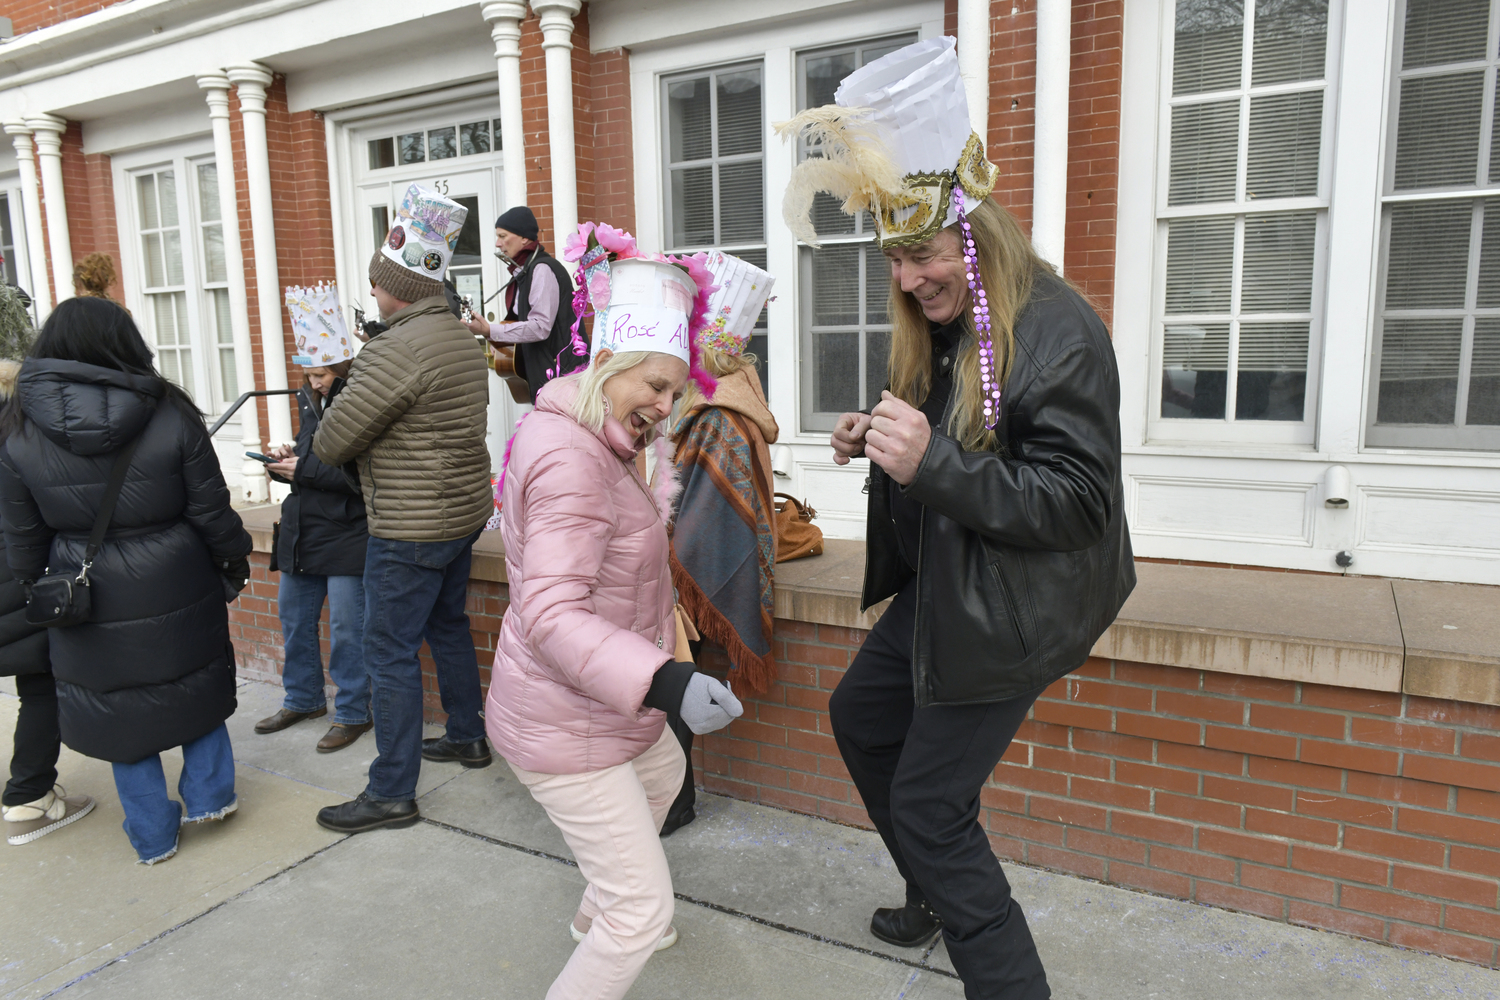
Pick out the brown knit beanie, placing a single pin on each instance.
(404, 285)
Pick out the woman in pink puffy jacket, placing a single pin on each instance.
(585, 668)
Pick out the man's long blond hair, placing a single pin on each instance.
(1007, 264)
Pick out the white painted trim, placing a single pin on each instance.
(1049, 178)
(775, 48)
(1135, 225)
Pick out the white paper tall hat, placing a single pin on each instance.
(894, 142)
(318, 326)
(646, 305)
(425, 232)
(735, 304)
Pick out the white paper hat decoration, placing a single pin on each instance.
(318, 326)
(736, 304)
(649, 305)
(425, 232)
(894, 142)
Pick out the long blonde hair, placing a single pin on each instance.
(1007, 265)
(588, 405)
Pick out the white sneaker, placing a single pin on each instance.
(667, 941)
(53, 811)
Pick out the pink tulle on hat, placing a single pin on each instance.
(597, 245)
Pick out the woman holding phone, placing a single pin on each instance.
(320, 552)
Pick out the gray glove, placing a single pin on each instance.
(708, 705)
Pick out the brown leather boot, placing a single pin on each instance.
(284, 718)
(342, 734)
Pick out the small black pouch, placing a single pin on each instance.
(59, 600)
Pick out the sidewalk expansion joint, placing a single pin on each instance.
(190, 920)
(918, 964)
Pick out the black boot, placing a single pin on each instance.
(909, 926)
(441, 748)
(364, 813)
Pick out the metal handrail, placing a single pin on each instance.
(241, 401)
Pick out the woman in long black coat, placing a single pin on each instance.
(153, 667)
(34, 805)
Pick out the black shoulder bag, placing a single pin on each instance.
(58, 600)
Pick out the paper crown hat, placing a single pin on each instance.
(735, 305)
(641, 302)
(425, 232)
(318, 326)
(894, 143)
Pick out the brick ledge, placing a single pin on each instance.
(1432, 639)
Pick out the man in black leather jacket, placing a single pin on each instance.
(1005, 567)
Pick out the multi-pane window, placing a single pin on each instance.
(216, 280)
(845, 283)
(1241, 213)
(176, 250)
(163, 280)
(7, 243)
(715, 169)
(1436, 366)
(444, 142)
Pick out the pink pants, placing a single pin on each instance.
(612, 820)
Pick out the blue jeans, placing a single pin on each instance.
(301, 603)
(206, 786)
(416, 591)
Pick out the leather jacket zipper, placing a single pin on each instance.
(921, 670)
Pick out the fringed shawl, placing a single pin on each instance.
(724, 536)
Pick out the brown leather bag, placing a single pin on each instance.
(796, 535)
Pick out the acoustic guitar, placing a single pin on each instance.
(502, 361)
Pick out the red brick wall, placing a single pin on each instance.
(613, 152)
(28, 15)
(255, 628)
(1093, 131)
(1372, 814)
(89, 191)
(601, 126)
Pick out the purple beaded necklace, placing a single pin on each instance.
(989, 387)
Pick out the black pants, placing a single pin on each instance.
(688, 797)
(33, 767)
(919, 772)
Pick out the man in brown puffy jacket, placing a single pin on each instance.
(412, 419)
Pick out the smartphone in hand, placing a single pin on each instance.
(259, 457)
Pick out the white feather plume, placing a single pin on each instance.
(854, 167)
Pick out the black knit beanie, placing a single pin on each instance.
(518, 220)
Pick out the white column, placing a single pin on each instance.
(254, 485)
(557, 43)
(250, 82)
(1049, 183)
(974, 61)
(48, 130)
(31, 207)
(505, 28)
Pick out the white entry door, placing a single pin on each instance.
(476, 272)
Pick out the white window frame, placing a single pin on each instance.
(836, 491)
(1229, 430)
(1478, 439)
(20, 259)
(809, 419)
(715, 159)
(182, 159)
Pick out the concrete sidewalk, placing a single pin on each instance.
(474, 902)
